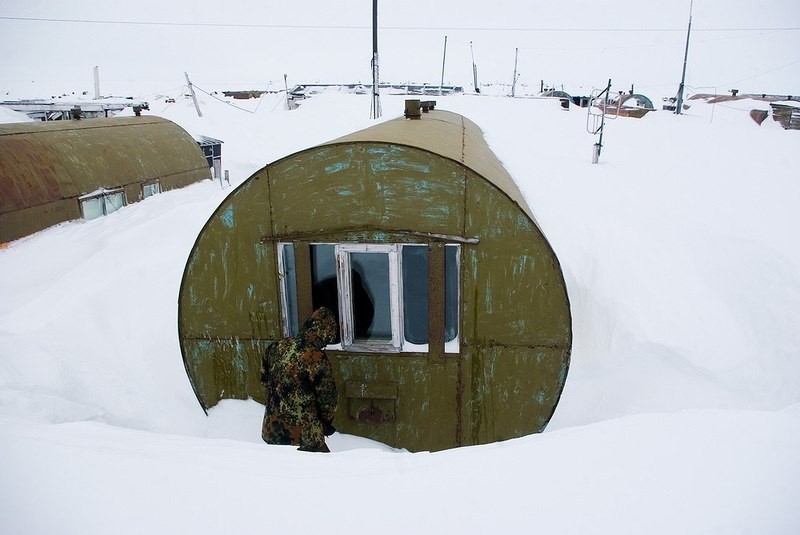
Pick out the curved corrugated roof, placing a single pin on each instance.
(42, 162)
(449, 135)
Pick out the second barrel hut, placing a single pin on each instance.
(454, 315)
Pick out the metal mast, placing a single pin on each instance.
(194, 97)
(679, 102)
(514, 81)
(444, 59)
(474, 70)
(375, 109)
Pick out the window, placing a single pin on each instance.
(150, 189)
(378, 291)
(101, 202)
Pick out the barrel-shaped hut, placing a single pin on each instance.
(454, 316)
(57, 171)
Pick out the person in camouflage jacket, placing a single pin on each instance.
(301, 392)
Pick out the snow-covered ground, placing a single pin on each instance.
(681, 412)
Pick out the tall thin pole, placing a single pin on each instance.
(679, 102)
(444, 58)
(474, 70)
(514, 81)
(194, 97)
(375, 109)
(599, 145)
(286, 86)
(96, 82)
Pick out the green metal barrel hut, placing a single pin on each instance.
(57, 171)
(454, 316)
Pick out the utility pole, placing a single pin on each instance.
(194, 97)
(375, 109)
(679, 101)
(96, 82)
(444, 57)
(514, 81)
(598, 99)
(286, 87)
(474, 70)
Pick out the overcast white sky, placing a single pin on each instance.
(146, 46)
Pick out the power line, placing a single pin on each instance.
(384, 28)
(223, 101)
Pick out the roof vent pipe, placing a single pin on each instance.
(427, 105)
(413, 109)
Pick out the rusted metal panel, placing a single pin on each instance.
(43, 163)
(448, 135)
(225, 369)
(513, 276)
(366, 186)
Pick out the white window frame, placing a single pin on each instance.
(342, 252)
(153, 187)
(286, 316)
(343, 265)
(103, 195)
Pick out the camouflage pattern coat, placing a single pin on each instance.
(301, 393)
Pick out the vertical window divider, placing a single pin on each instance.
(302, 259)
(345, 292)
(394, 297)
(436, 302)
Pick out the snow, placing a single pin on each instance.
(681, 412)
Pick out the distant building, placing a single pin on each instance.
(212, 150)
(57, 109)
(62, 170)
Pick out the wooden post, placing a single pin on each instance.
(194, 97)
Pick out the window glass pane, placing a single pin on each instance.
(92, 208)
(324, 290)
(114, 201)
(290, 288)
(150, 189)
(450, 292)
(371, 296)
(415, 293)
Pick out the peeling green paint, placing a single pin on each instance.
(227, 217)
(337, 167)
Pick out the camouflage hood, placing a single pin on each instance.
(323, 325)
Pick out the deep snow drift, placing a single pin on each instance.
(681, 412)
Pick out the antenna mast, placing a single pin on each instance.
(679, 102)
(474, 70)
(375, 109)
(514, 81)
(444, 58)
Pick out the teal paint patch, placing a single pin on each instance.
(336, 167)
(227, 217)
(397, 164)
(541, 397)
(261, 253)
(202, 350)
(415, 166)
(238, 358)
(440, 212)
